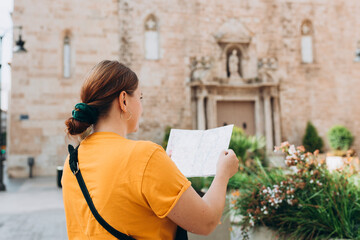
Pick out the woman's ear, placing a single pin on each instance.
(122, 101)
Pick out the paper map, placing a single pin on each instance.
(196, 152)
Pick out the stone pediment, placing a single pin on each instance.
(233, 31)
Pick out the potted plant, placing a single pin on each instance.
(340, 140)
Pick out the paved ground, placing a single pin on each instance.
(32, 209)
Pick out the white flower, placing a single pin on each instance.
(292, 150)
(266, 212)
(251, 222)
(311, 181)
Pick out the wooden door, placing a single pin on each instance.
(239, 113)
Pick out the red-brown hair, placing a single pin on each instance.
(103, 84)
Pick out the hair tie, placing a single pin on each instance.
(85, 113)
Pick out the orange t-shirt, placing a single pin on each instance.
(133, 184)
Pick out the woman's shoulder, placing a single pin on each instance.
(148, 146)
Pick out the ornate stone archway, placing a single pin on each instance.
(211, 85)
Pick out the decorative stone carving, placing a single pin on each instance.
(234, 62)
(150, 24)
(234, 66)
(201, 69)
(306, 28)
(233, 31)
(268, 70)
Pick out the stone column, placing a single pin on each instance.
(200, 110)
(258, 117)
(193, 108)
(277, 123)
(211, 112)
(268, 121)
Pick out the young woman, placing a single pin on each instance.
(134, 185)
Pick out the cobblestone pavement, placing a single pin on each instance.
(32, 209)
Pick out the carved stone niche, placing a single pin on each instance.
(237, 62)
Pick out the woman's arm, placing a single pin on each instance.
(202, 215)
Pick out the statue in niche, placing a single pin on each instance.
(234, 66)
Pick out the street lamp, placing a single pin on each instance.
(19, 48)
(19, 44)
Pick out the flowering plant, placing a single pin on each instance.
(304, 202)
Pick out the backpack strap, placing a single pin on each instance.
(74, 166)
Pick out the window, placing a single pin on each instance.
(307, 42)
(151, 38)
(67, 57)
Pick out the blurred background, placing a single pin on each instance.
(268, 66)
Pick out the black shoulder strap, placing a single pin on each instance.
(74, 166)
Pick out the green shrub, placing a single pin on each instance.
(247, 147)
(166, 137)
(340, 138)
(309, 203)
(312, 141)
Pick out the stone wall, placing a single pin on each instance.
(38, 88)
(325, 92)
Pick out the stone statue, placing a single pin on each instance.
(234, 65)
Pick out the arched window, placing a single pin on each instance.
(67, 57)
(152, 51)
(307, 55)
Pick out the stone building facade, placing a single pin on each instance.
(268, 66)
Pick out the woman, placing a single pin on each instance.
(134, 185)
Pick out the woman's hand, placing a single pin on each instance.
(228, 164)
(202, 215)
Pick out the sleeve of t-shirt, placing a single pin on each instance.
(163, 183)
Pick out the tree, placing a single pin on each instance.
(312, 141)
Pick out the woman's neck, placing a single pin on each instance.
(111, 125)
